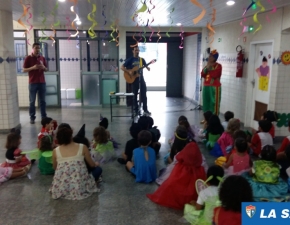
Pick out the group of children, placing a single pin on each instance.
(245, 170)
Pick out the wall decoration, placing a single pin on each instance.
(23, 15)
(201, 15)
(172, 10)
(283, 119)
(271, 12)
(91, 17)
(210, 26)
(28, 22)
(76, 19)
(149, 25)
(264, 74)
(44, 37)
(285, 58)
(255, 17)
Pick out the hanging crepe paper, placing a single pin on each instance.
(142, 9)
(133, 46)
(91, 18)
(167, 34)
(30, 25)
(67, 27)
(72, 23)
(113, 31)
(273, 10)
(149, 11)
(23, 15)
(44, 37)
(255, 17)
(210, 27)
(244, 27)
(201, 15)
(103, 14)
(182, 37)
(118, 33)
(55, 24)
(250, 6)
(158, 34)
(143, 34)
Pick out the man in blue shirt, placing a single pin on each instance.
(129, 64)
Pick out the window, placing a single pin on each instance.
(20, 48)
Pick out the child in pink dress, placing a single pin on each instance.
(239, 161)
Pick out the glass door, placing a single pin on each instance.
(90, 72)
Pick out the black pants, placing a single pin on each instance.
(143, 96)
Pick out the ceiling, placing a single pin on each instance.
(122, 10)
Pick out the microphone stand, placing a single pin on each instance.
(199, 107)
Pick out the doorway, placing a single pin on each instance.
(156, 77)
(260, 71)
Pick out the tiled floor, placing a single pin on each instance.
(121, 200)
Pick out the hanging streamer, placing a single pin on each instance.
(244, 27)
(91, 18)
(53, 13)
(28, 22)
(250, 6)
(23, 15)
(67, 27)
(273, 10)
(201, 15)
(152, 30)
(182, 37)
(167, 34)
(133, 46)
(113, 31)
(158, 34)
(118, 33)
(103, 14)
(210, 27)
(44, 37)
(142, 9)
(143, 34)
(255, 17)
(73, 22)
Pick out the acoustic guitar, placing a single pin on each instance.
(135, 72)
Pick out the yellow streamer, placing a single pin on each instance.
(142, 9)
(255, 17)
(117, 31)
(91, 18)
(210, 27)
(201, 15)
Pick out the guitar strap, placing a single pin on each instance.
(140, 63)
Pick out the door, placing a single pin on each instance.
(90, 72)
(261, 81)
(174, 70)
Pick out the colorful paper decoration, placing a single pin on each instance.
(167, 34)
(210, 25)
(273, 10)
(44, 37)
(28, 22)
(201, 15)
(250, 6)
(255, 17)
(23, 15)
(76, 19)
(158, 34)
(91, 18)
(149, 25)
(133, 46)
(285, 58)
(182, 37)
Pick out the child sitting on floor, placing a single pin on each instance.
(7, 173)
(264, 177)
(131, 144)
(234, 190)
(156, 145)
(228, 115)
(202, 132)
(103, 150)
(213, 131)
(14, 158)
(285, 142)
(44, 166)
(143, 165)
(48, 128)
(262, 138)
(226, 140)
(104, 122)
(201, 211)
(239, 161)
(271, 116)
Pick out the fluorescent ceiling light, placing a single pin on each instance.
(230, 3)
(61, 0)
(78, 22)
(178, 24)
(84, 31)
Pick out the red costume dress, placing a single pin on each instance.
(226, 217)
(179, 188)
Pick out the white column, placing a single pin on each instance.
(9, 110)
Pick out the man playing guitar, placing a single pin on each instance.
(139, 81)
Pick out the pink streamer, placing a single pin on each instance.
(272, 12)
(67, 27)
(182, 37)
(152, 30)
(30, 25)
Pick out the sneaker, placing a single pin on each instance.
(146, 113)
(32, 122)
